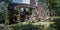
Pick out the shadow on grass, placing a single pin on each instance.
(28, 27)
(56, 25)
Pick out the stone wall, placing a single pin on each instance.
(41, 12)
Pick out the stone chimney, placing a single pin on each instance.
(32, 2)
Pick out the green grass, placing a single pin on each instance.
(32, 26)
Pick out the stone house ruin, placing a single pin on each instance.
(27, 10)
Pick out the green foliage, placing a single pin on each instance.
(53, 6)
(3, 11)
(57, 24)
(6, 0)
(1, 28)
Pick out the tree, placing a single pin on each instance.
(5, 11)
(54, 6)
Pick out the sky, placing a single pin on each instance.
(20, 1)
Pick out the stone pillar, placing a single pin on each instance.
(18, 15)
(33, 15)
(27, 16)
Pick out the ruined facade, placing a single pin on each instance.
(42, 12)
(33, 11)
